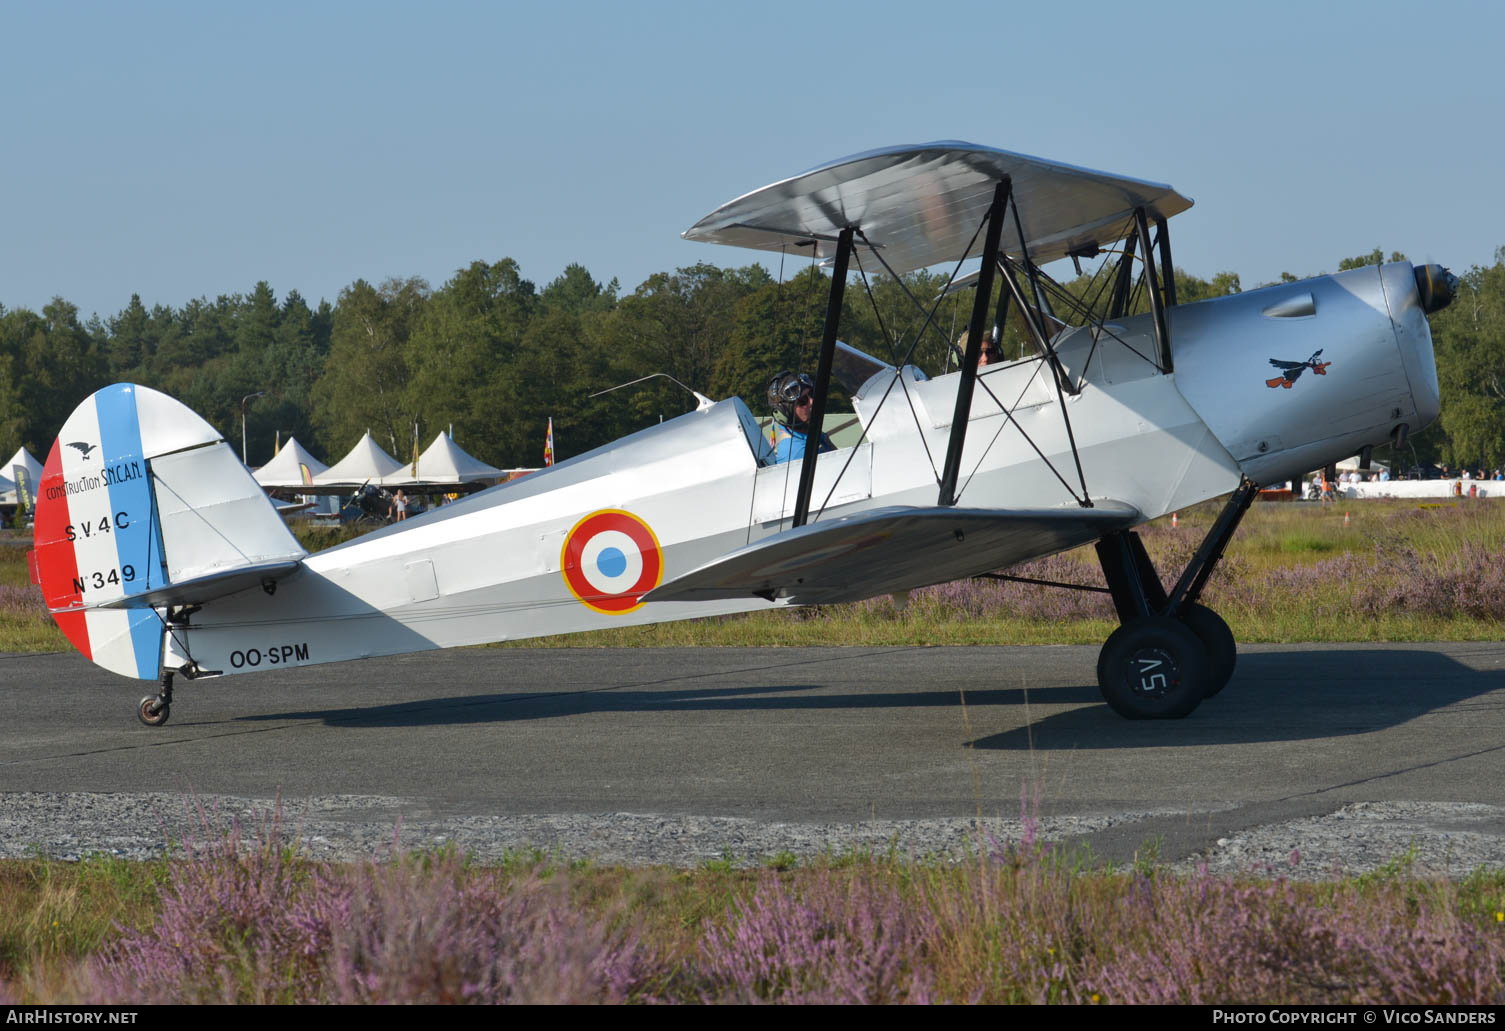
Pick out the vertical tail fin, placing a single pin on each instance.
(143, 505)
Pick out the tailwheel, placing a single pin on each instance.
(1153, 668)
(1222, 650)
(153, 710)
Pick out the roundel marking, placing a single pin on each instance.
(611, 559)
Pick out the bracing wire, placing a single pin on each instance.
(929, 318)
(893, 347)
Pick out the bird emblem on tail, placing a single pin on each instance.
(83, 447)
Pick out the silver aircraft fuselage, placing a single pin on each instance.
(574, 547)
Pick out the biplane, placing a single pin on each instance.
(161, 557)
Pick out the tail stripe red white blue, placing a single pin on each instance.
(132, 474)
(103, 515)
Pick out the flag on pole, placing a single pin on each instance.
(548, 444)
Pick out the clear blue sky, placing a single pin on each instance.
(192, 149)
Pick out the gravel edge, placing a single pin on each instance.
(1451, 839)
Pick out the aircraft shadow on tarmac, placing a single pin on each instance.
(1274, 696)
(1281, 696)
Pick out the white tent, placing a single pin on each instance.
(443, 463)
(23, 457)
(293, 467)
(366, 463)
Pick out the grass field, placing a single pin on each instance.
(1368, 571)
(1017, 923)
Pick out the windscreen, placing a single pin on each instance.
(852, 368)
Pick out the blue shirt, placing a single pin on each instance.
(789, 445)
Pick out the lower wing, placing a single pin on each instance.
(892, 549)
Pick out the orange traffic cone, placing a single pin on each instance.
(1346, 520)
(1175, 522)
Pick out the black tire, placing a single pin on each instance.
(152, 711)
(1222, 649)
(1153, 668)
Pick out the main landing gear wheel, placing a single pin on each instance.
(1153, 668)
(1222, 649)
(153, 711)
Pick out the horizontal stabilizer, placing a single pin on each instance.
(208, 587)
(892, 549)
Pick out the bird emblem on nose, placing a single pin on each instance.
(1292, 370)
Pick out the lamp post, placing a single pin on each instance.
(259, 393)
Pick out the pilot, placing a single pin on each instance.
(791, 396)
(990, 354)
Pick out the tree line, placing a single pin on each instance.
(493, 357)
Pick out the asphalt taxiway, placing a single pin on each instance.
(893, 739)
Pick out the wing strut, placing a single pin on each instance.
(1157, 303)
(1167, 270)
(963, 411)
(1001, 319)
(1034, 322)
(823, 378)
(991, 258)
(1118, 307)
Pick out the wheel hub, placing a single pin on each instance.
(1151, 672)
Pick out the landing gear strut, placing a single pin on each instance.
(1170, 652)
(153, 710)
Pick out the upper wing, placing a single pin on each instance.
(1287, 365)
(892, 549)
(919, 205)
